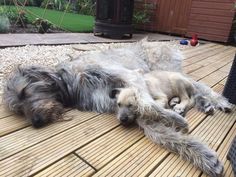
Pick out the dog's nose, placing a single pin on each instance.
(38, 121)
(124, 119)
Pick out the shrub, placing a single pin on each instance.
(86, 7)
(6, 2)
(22, 20)
(4, 24)
(10, 13)
(37, 3)
(15, 16)
(141, 16)
(54, 4)
(42, 25)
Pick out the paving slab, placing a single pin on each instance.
(10, 40)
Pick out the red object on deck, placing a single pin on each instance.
(194, 40)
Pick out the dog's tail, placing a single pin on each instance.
(188, 148)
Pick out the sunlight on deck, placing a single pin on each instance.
(96, 144)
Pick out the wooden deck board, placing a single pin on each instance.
(197, 58)
(198, 50)
(144, 154)
(212, 130)
(4, 112)
(70, 165)
(101, 151)
(11, 124)
(93, 144)
(191, 66)
(39, 156)
(219, 63)
(27, 137)
(214, 78)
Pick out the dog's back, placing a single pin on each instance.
(169, 83)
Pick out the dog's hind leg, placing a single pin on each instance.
(187, 147)
(185, 105)
(186, 93)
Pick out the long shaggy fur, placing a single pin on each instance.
(206, 99)
(41, 93)
(36, 93)
(187, 147)
(86, 82)
(89, 90)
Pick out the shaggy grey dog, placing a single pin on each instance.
(42, 93)
(87, 82)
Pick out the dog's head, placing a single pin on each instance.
(126, 99)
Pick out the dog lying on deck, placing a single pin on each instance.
(41, 94)
(170, 90)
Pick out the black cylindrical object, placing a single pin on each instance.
(230, 86)
(114, 18)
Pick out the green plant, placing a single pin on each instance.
(10, 13)
(22, 19)
(15, 16)
(6, 2)
(67, 21)
(54, 4)
(4, 24)
(86, 7)
(37, 3)
(140, 17)
(42, 25)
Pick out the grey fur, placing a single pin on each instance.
(35, 92)
(86, 82)
(132, 103)
(89, 90)
(29, 91)
(186, 146)
(207, 100)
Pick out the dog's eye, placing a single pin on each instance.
(130, 105)
(119, 104)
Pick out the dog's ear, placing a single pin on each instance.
(114, 93)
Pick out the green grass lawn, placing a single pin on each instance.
(71, 22)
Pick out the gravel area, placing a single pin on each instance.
(52, 55)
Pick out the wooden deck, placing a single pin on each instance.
(96, 144)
